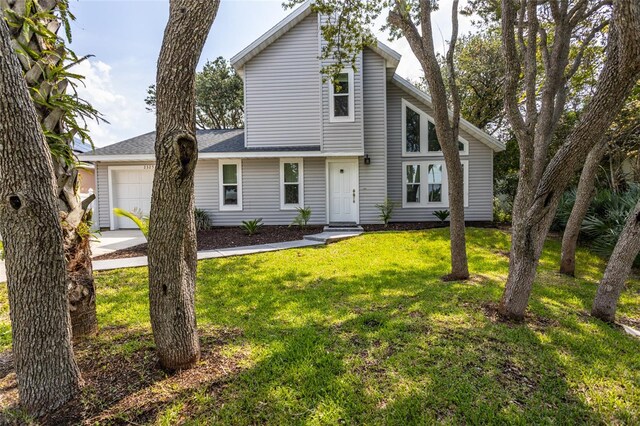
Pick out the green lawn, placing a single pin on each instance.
(364, 332)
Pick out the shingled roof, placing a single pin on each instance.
(209, 141)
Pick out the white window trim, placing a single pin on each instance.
(424, 134)
(224, 207)
(300, 203)
(424, 185)
(351, 116)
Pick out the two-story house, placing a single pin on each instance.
(340, 149)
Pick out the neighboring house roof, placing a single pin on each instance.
(211, 143)
(482, 136)
(238, 61)
(79, 146)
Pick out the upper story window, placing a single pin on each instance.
(230, 177)
(419, 134)
(341, 97)
(291, 183)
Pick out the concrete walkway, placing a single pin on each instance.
(308, 241)
(110, 241)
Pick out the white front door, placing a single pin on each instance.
(343, 191)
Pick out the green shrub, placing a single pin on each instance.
(252, 227)
(137, 217)
(386, 211)
(303, 217)
(203, 221)
(605, 218)
(441, 214)
(502, 208)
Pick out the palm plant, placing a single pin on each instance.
(46, 60)
(136, 216)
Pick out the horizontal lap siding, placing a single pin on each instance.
(480, 166)
(373, 177)
(282, 93)
(261, 192)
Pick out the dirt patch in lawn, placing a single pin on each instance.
(123, 383)
(233, 236)
(228, 237)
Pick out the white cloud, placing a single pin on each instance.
(124, 109)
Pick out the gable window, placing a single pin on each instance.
(230, 176)
(425, 184)
(419, 135)
(341, 97)
(291, 183)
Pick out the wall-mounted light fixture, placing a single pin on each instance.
(367, 160)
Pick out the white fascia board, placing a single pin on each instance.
(483, 136)
(225, 155)
(271, 36)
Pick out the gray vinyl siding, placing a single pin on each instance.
(261, 192)
(344, 136)
(260, 186)
(373, 177)
(480, 166)
(282, 92)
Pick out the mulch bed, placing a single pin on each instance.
(233, 236)
(127, 386)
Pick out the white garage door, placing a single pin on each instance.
(131, 192)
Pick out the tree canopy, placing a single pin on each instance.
(219, 96)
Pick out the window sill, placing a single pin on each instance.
(230, 209)
(342, 119)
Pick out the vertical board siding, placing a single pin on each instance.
(373, 177)
(480, 166)
(282, 94)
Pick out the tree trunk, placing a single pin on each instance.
(172, 235)
(73, 214)
(36, 276)
(618, 269)
(534, 210)
(584, 196)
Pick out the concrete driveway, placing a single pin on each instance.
(110, 241)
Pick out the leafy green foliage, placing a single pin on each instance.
(303, 217)
(441, 214)
(502, 208)
(137, 217)
(252, 227)
(386, 211)
(219, 96)
(53, 87)
(605, 218)
(203, 221)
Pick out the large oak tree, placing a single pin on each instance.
(172, 233)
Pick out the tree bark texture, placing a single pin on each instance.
(447, 129)
(618, 269)
(172, 235)
(46, 371)
(74, 214)
(536, 201)
(584, 196)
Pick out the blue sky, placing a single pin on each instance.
(125, 37)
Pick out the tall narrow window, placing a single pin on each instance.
(230, 185)
(412, 139)
(291, 186)
(341, 97)
(412, 188)
(435, 183)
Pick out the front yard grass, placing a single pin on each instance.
(365, 332)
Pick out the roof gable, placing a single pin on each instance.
(239, 60)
